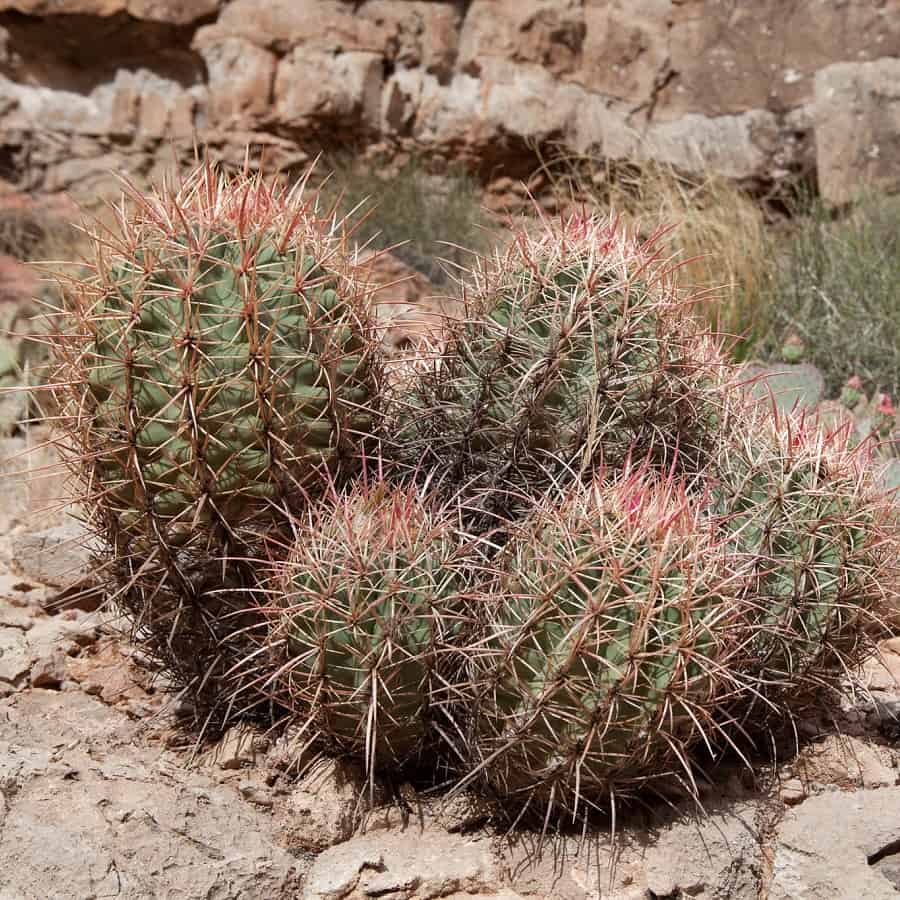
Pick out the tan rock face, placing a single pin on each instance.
(176, 12)
(857, 115)
(750, 90)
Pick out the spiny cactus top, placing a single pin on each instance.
(611, 637)
(217, 360)
(361, 614)
(577, 349)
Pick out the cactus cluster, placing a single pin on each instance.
(586, 559)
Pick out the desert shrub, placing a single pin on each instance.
(718, 232)
(430, 218)
(836, 284)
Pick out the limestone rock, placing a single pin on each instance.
(241, 76)
(343, 89)
(857, 114)
(124, 821)
(838, 846)
(238, 748)
(59, 557)
(323, 809)
(717, 855)
(16, 655)
(847, 762)
(49, 671)
(413, 865)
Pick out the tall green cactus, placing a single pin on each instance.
(215, 369)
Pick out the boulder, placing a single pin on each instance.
(857, 126)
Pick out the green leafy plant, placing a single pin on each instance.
(836, 283)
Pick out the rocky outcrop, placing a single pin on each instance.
(753, 91)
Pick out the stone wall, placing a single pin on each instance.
(756, 90)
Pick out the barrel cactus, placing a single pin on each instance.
(612, 641)
(215, 369)
(805, 514)
(576, 349)
(362, 619)
(632, 627)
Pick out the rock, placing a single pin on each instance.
(414, 865)
(857, 122)
(238, 748)
(241, 77)
(838, 845)
(106, 672)
(59, 557)
(846, 762)
(792, 792)
(254, 792)
(19, 592)
(16, 655)
(125, 820)
(423, 34)
(33, 486)
(502, 894)
(324, 809)
(480, 81)
(15, 617)
(344, 88)
(175, 12)
(180, 13)
(716, 855)
(549, 34)
(49, 671)
(280, 25)
(882, 671)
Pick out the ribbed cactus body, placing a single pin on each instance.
(575, 351)
(610, 630)
(220, 377)
(362, 619)
(803, 510)
(216, 370)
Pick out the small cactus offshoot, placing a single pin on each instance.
(363, 616)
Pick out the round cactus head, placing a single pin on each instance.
(361, 620)
(611, 634)
(577, 349)
(819, 539)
